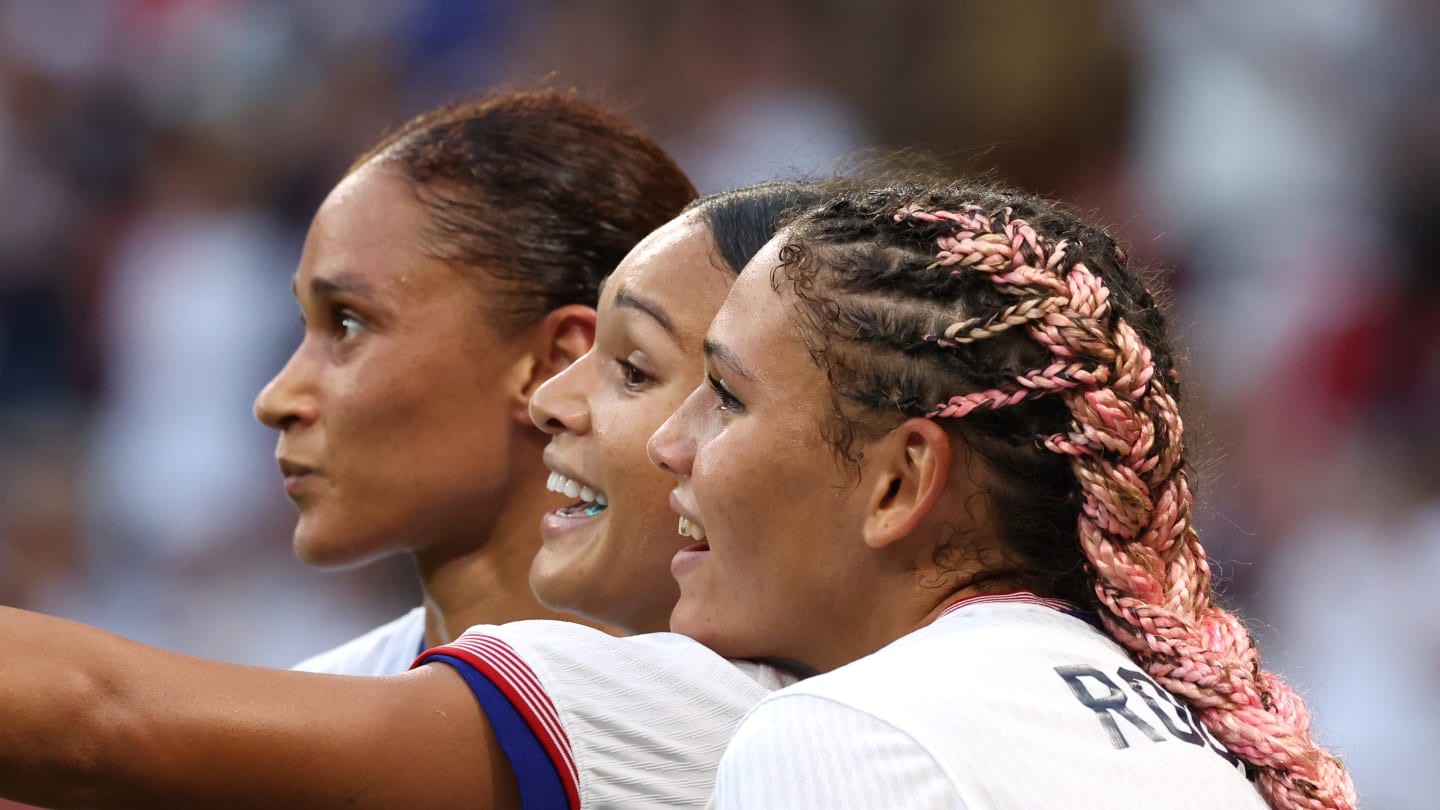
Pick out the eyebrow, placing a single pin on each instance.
(341, 283)
(718, 351)
(629, 300)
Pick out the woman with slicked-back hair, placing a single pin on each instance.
(453, 270)
(940, 459)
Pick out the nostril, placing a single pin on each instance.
(575, 420)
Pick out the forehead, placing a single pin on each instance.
(371, 208)
(754, 288)
(372, 228)
(757, 322)
(676, 268)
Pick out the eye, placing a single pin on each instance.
(728, 401)
(348, 324)
(635, 379)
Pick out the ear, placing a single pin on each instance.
(910, 470)
(557, 341)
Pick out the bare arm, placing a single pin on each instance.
(88, 719)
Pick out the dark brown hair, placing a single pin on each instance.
(542, 192)
(742, 220)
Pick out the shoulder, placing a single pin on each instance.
(619, 711)
(387, 650)
(558, 646)
(774, 761)
(575, 656)
(1017, 705)
(965, 654)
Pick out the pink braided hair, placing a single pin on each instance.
(1126, 450)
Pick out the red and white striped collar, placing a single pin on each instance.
(1014, 597)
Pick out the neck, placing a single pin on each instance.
(878, 628)
(983, 585)
(488, 582)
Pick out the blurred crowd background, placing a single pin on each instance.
(160, 160)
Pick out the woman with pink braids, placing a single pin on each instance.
(940, 459)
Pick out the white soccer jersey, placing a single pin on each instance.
(588, 720)
(1002, 702)
(387, 650)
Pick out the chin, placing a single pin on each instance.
(549, 581)
(569, 603)
(682, 621)
(693, 618)
(319, 550)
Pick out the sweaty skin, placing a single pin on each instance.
(402, 415)
(614, 563)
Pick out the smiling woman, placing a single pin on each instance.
(448, 275)
(599, 413)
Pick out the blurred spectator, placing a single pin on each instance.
(1347, 596)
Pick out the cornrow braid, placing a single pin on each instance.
(1023, 330)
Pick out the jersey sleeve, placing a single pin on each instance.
(620, 722)
(800, 750)
(521, 713)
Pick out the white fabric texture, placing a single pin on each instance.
(754, 777)
(635, 722)
(387, 650)
(998, 705)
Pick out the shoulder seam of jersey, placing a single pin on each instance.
(499, 662)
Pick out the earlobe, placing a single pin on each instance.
(910, 477)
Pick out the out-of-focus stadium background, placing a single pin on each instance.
(160, 159)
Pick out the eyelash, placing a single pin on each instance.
(634, 378)
(728, 401)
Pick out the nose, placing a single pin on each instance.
(559, 404)
(672, 446)
(289, 398)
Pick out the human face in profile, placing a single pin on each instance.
(606, 554)
(398, 409)
(780, 513)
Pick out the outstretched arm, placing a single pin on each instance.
(88, 719)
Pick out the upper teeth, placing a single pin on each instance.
(574, 489)
(688, 529)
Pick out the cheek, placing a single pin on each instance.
(621, 428)
(737, 504)
(409, 439)
(440, 393)
(768, 500)
(377, 392)
(742, 470)
(645, 524)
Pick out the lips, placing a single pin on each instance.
(689, 558)
(292, 469)
(296, 475)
